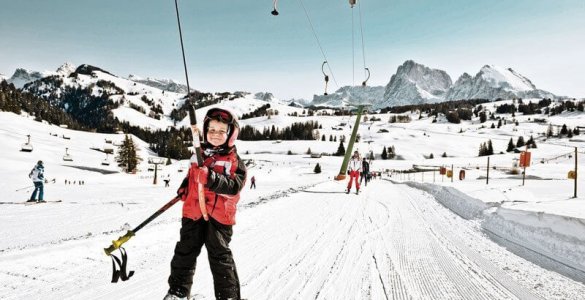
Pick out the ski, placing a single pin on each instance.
(31, 203)
(41, 202)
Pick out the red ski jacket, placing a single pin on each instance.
(227, 176)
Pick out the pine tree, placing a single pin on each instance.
(391, 152)
(444, 154)
(323, 139)
(482, 149)
(520, 142)
(169, 161)
(127, 157)
(384, 153)
(564, 129)
(510, 146)
(490, 148)
(317, 169)
(550, 131)
(482, 117)
(309, 151)
(493, 126)
(576, 131)
(499, 123)
(431, 156)
(530, 143)
(340, 149)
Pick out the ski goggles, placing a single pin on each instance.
(220, 114)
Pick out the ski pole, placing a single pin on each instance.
(28, 187)
(123, 239)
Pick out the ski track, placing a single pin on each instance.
(291, 244)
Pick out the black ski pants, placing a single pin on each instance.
(216, 238)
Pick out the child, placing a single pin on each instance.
(223, 175)
(353, 169)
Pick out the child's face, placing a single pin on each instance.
(217, 133)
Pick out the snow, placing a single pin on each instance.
(66, 69)
(498, 75)
(298, 236)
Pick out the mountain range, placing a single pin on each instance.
(415, 83)
(161, 84)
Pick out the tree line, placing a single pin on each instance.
(297, 131)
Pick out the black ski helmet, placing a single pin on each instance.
(224, 116)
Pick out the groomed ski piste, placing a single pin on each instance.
(298, 235)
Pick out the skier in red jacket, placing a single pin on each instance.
(223, 176)
(353, 170)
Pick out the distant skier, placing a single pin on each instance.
(37, 174)
(353, 170)
(223, 176)
(365, 171)
(167, 182)
(253, 182)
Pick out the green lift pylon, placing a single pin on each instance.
(349, 150)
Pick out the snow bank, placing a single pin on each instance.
(560, 238)
(465, 206)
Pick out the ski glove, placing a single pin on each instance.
(182, 191)
(200, 175)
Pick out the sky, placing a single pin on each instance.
(238, 45)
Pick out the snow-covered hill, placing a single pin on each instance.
(143, 105)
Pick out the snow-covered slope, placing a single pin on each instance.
(298, 235)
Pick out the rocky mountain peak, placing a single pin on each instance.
(415, 83)
(66, 69)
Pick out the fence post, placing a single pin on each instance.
(575, 195)
(487, 178)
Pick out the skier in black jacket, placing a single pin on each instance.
(365, 171)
